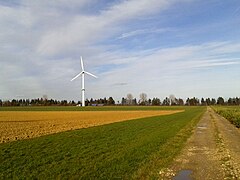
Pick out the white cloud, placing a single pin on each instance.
(81, 31)
(163, 70)
(41, 41)
(141, 32)
(84, 30)
(127, 10)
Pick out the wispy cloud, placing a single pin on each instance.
(236, 11)
(120, 84)
(85, 30)
(141, 32)
(163, 66)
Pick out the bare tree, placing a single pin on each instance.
(45, 97)
(172, 99)
(129, 99)
(143, 99)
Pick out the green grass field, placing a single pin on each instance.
(126, 150)
(231, 113)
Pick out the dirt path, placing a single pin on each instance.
(212, 152)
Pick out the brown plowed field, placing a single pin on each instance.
(16, 125)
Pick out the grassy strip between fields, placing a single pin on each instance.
(231, 113)
(135, 149)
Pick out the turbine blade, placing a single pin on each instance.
(77, 76)
(91, 74)
(82, 64)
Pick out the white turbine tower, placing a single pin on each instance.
(83, 85)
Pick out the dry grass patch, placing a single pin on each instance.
(16, 125)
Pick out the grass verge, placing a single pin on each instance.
(127, 150)
(231, 113)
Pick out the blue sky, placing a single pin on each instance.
(160, 47)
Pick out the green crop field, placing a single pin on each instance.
(231, 113)
(125, 150)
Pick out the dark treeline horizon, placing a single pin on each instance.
(128, 101)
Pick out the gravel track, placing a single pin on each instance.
(212, 152)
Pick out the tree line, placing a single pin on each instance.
(129, 100)
(52, 102)
(173, 101)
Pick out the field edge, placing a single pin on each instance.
(171, 149)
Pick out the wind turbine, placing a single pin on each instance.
(82, 73)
